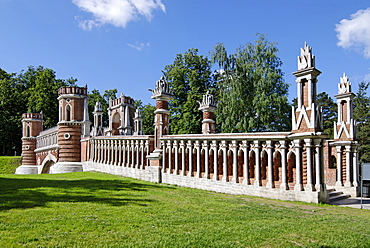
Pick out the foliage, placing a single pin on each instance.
(362, 116)
(33, 90)
(98, 210)
(8, 165)
(189, 77)
(329, 112)
(147, 113)
(253, 94)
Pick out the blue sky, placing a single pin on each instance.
(124, 44)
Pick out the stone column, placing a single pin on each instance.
(197, 148)
(309, 185)
(270, 179)
(183, 154)
(348, 183)
(175, 147)
(339, 167)
(215, 162)
(206, 159)
(233, 147)
(244, 146)
(298, 185)
(355, 167)
(224, 161)
(283, 185)
(318, 165)
(257, 182)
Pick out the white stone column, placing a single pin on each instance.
(206, 159)
(197, 148)
(183, 154)
(190, 150)
(233, 146)
(224, 161)
(309, 184)
(270, 180)
(318, 165)
(123, 147)
(348, 182)
(298, 166)
(283, 185)
(119, 152)
(355, 167)
(175, 148)
(169, 147)
(164, 157)
(339, 182)
(256, 148)
(215, 156)
(244, 147)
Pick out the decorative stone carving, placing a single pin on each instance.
(307, 59)
(345, 85)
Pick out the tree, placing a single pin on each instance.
(329, 112)
(189, 78)
(362, 116)
(147, 113)
(41, 92)
(12, 105)
(253, 94)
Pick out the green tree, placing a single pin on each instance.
(147, 113)
(189, 78)
(362, 116)
(41, 92)
(253, 94)
(329, 112)
(12, 105)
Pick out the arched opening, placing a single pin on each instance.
(240, 165)
(264, 167)
(68, 112)
(28, 131)
(252, 166)
(229, 169)
(46, 167)
(277, 170)
(116, 121)
(202, 164)
(211, 163)
(220, 162)
(291, 170)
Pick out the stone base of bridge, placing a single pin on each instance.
(66, 167)
(27, 169)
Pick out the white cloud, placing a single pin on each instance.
(355, 32)
(139, 46)
(117, 12)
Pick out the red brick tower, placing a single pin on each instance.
(32, 126)
(162, 95)
(307, 116)
(72, 126)
(345, 140)
(208, 107)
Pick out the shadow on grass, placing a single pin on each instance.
(29, 193)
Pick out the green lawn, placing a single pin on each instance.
(98, 210)
(8, 164)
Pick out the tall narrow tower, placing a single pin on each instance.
(307, 116)
(32, 126)
(98, 129)
(72, 126)
(345, 139)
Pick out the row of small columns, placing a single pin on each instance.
(256, 147)
(117, 152)
(47, 140)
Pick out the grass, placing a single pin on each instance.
(8, 164)
(88, 209)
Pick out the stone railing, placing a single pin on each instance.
(47, 139)
(126, 151)
(260, 159)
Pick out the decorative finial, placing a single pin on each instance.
(306, 59)
(162, 89)
(207, 102)
(345, 85)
